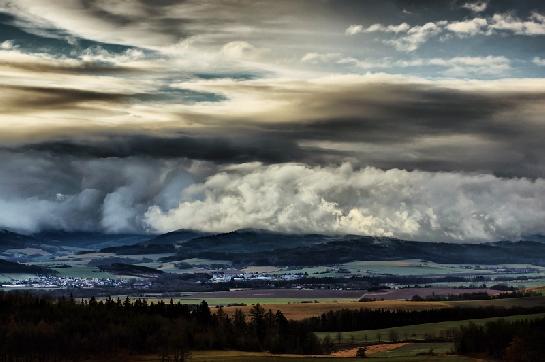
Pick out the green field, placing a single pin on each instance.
(212, 302)
(83, 272)
(418, 349)
(401, 267)
(413, 332)
(396, 267)
(527, 302)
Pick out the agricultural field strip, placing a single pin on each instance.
(298, 311)
(416, 331)
(404, 354)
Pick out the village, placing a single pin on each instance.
(64, 282)
(227, 276)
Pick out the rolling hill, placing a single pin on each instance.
(9, 267)
(254, 247)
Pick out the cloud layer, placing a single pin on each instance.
(410, 38)
(217, 114)
(43, 192)
(415, 205)
(140, 195)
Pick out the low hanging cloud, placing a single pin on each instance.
(139, 194)
(414, 205)
(456, 66)
(39, 191)
(374, 120)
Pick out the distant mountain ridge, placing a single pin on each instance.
(252, 247)
(242, 240)
(14, 240)
(262, 247)
(17, 268)
(176, 237)
(164, 243)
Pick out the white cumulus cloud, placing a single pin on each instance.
(476, 7)
(409, 38)
(539, 61)
(415, 205)
(7, 45)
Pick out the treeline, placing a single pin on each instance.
(475, 296)
(359, 319)
(38, 328)
(367, 248)
(519, 341)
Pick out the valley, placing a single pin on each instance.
(237, 272)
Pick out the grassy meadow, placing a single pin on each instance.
(413, 332)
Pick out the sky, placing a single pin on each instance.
(415, 119)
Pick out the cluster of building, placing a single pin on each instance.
(53, 282)
(238, 276)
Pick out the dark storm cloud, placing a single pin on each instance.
(44, 191)
(32, 99)
(401, 113)
(214, 148)
(83, 68)
(130, 115)
(385, 125)
(421, 127)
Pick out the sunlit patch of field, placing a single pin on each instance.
(538, 289)
(298, 311)
(418, 349)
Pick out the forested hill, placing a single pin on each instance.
(305, 250)
(261, 247)
(13, 240)
(9, 267)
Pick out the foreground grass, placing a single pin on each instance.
(401, 355)
(414, 332)
(412, 352)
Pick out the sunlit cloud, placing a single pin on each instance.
(150, 116)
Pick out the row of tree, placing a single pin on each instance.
(518, 341)
(359, 319)
(37, 328)
(45, 329)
